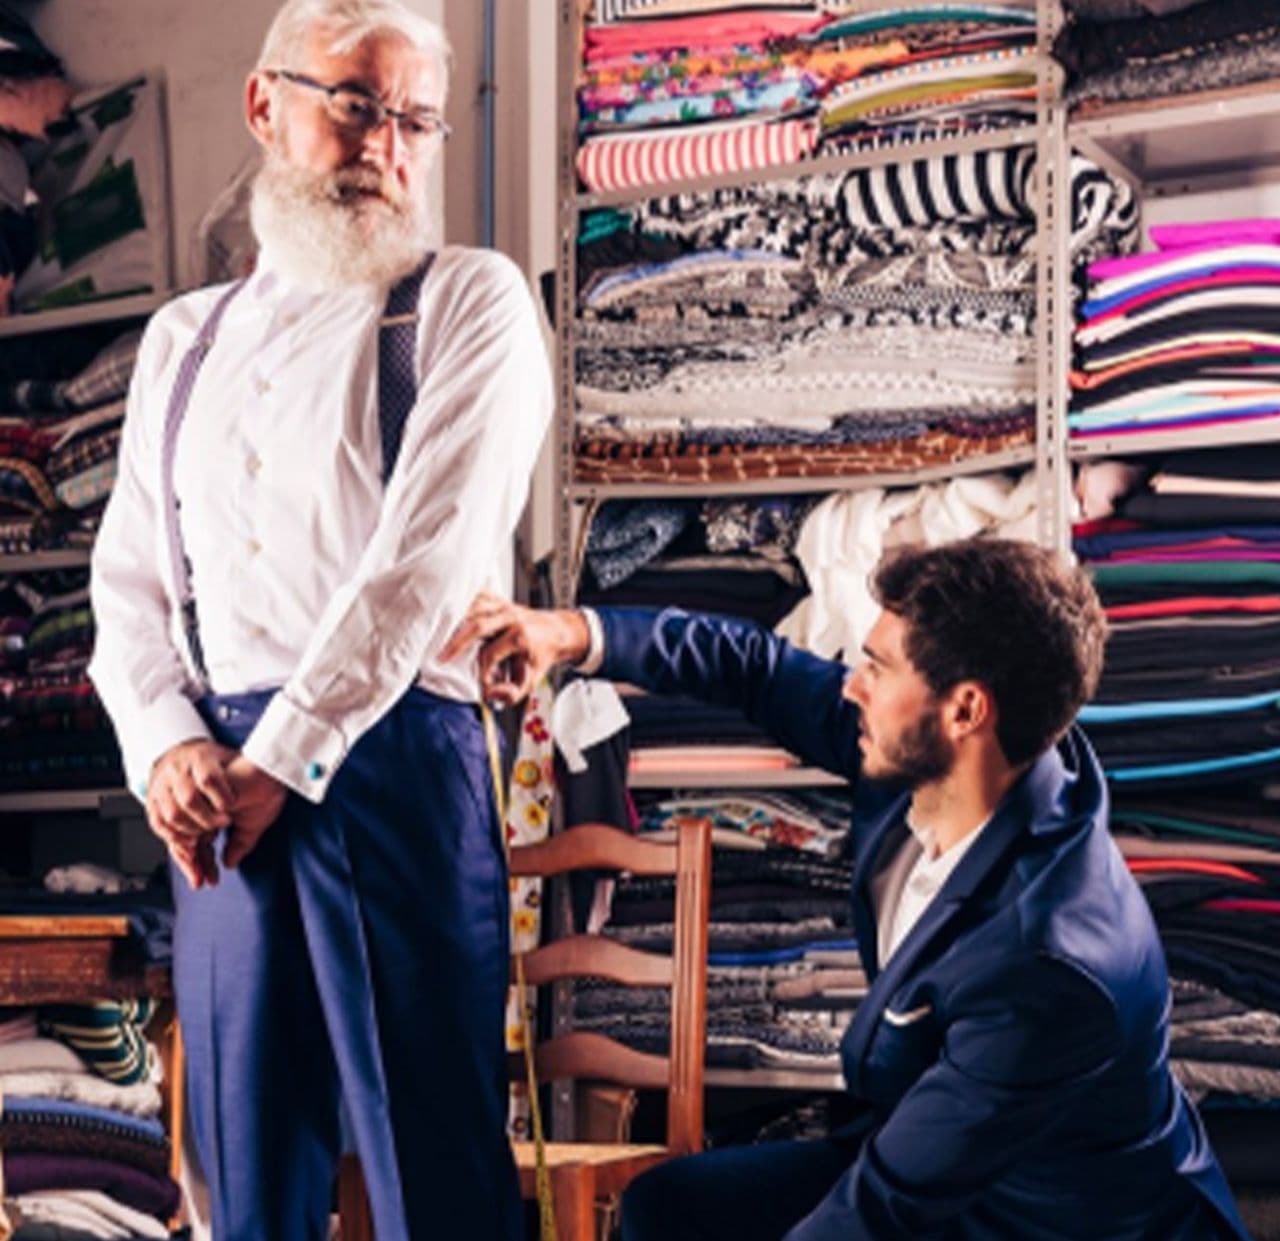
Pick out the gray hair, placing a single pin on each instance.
(350, 22)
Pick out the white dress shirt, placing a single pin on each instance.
(905, 888)
(308, 574)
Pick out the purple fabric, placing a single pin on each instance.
(29, 1172)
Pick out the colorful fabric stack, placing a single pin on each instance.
(784, 973)
(964, 68)
(869, 321)
(1183, 337)
(1188, 566)
(1147, 49)
(82, 1148)
(689, 92)
(57, 467)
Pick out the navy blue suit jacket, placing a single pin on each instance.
(1012, 1055)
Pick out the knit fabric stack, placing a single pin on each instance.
(82, 1150)
(680, 88)
(868, 321)
(1148, 49)
(784, 972)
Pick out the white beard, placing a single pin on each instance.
(323, 232)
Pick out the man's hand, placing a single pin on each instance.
(259, 799)
(188, 799)
(519, 645)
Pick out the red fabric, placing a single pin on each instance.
(1192, 866)
(1192, 604)
(698, 31)
(1243, 905)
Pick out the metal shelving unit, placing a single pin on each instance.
(786, 778)
(1048, 456)
(775, 1079)
(1184, 144)
(1219, 435)
(137, 306)
(108, 803)
(36, 562)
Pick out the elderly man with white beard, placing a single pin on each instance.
(320, 468)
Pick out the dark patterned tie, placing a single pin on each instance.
(397, 370)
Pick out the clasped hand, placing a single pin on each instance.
(199, 787)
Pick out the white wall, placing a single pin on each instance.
(204, 48)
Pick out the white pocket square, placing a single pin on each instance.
(911, 1016)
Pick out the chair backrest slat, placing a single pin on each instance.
(584, 1054)
(594, 956)
(593, 846)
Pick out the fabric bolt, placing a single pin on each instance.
(699, 30)
(607, 11)
(616, 162)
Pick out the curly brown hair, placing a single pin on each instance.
(1010, 615)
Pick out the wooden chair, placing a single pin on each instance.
(582, 1173)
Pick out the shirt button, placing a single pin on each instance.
(252, 464)
(315, 771)
(224, 712)
(253, 547)
(263, 386)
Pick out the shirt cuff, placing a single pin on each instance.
(590, 663)
(162, 725)
(297, 748)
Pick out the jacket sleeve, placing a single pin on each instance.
(1011, 1071)
(792, 695)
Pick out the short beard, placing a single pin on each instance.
(332, 230)
(920, 756)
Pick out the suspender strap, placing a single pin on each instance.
(397, 363)
(397, 391)
(179, 400)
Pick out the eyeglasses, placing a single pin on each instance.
(360, 112)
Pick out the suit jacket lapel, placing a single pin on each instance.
(1029, 805)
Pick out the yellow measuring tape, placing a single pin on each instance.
(546, 1206)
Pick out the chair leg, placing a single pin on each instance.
(573, 1190)
(355, 1223)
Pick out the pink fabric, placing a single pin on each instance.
(1194, 235)
(1194, 557)
(1243, 905)
(615, 162)
(1191, 284)
(702, 30)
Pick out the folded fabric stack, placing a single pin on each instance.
(57, 467)
(1188, 567)
(1148, 49)
(960, 69)
(717, 555)
(689, 88)
(82, 1149)
(1184, 337)
(1210, 867)
(53, 730)
(868, 321)
(784, 973)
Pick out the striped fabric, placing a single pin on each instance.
(607, 11)
(629, 161)
(107, 1035)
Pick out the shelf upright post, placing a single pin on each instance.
(568, 57)
(1053, 288)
